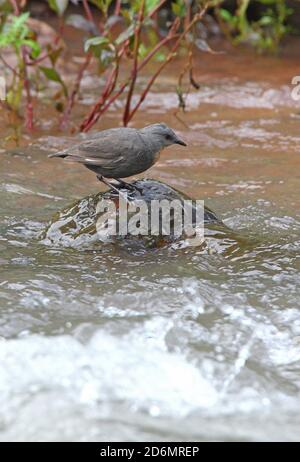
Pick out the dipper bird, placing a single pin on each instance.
(121, 152)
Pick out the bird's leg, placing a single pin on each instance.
(110, 185)
(105, 181)
(129, 186)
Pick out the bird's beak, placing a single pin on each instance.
(179, 141)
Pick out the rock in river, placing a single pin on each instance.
(83, 225)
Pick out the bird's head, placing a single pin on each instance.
(162, 135)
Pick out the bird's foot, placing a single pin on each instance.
(107, 183)
(130, 186)
(121, 184)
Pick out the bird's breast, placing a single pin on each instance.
(157, 156)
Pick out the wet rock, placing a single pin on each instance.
(83, 225)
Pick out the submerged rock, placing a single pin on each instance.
(83, 224)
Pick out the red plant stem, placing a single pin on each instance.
(76, 88)
(82, 69)
(12, 69)
(15, 6)
(89, 15)
(187, 18)
(171, 36)
(155, 10)
(61, 27)
(103, 104)
(170, 56)
(149, 85)
(108, 89)
(92, 118)
(29, 106)
(118, 8)
(98, 110)
(111, 81)
(34, 62)
(87, 10)
(135, 62)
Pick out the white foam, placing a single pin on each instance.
(136, 369)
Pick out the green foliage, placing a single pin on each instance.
(16, 33)
(150, 5)
(80, 22)
(103, 49)
(59, 6)
(96, 44)
(179, 8)
(125, 35)
(266, 32)
(52, 74)
(103, 5)
(140, 38)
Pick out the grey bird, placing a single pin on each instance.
(121, 152)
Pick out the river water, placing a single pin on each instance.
(164, 345)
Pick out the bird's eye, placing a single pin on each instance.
(168, 137)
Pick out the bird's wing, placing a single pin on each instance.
(97, 161)
(110, 147)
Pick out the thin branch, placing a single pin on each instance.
(106, 100)
(29, 105)
(75, 91)
(155, 9)
(135, 62)
(98, 110)
(170, 56)
(93, 116)
(12, 69)
(118, 8)
(82, 69)
(15, 6)
(87, 11)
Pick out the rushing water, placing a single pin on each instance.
(166, 345)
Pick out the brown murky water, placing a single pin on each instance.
(164, 346)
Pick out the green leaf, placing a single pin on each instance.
(103, 5)
(10, 97)
(202, 45)
(59, 6)
(127, 15)
(150, 5)
(35, 47)
(160, 56)
(225, 14)
(19, 21)
(268, 2)
(266, 21)
(54, 54)
(143, 50)
(125, 35)
(80, 22)
(51, 74)
(179, 8)
(14, 31)
(106, 57)
(96, 43)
